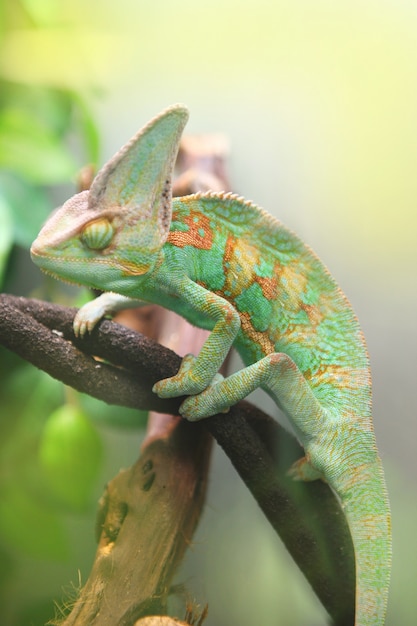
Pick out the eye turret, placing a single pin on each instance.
(98, 234)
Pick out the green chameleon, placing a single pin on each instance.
(228, 266)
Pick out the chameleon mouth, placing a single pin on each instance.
(38, 260)
(59, 277)
(41, 260)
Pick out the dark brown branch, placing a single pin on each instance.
(306, 515)
(25, 328)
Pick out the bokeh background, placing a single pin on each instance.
(319, 101)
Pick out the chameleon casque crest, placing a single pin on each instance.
(228, 266)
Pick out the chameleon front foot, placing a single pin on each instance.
(185, 382)
(109, 303)
(88, 317)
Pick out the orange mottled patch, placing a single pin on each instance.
(293, 282)
(239, 259)
(269, 286)
(314, 314)
(228, 251)
(256, 336)
(341, 376)
(199, 233)
(133, 269)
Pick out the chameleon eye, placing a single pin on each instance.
(97, 235)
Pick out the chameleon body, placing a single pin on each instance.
(228, 266)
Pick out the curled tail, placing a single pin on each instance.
(365, 503)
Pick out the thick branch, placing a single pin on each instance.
(25, 328)
(146, 521)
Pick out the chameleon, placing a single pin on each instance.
(228, 266)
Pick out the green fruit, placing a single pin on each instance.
(70, 455)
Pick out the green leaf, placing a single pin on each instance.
(27, 526)
(52, 108)
(87, 128)
(30, 148)
(70, 455)
(114, 416)
(29, 207)
(6, 235)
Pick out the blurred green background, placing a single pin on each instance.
(319, 100)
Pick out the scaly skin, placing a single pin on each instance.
(228, 266)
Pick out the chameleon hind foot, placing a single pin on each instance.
(212, 400)
(186, 382)
(304, 470)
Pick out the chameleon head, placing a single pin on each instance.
(116, 230)
(94, 248)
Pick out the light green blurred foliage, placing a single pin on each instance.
(37, 123)
(319, 102)
(46, 135)
(70, 454)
